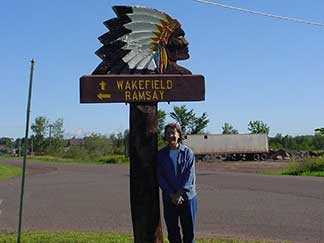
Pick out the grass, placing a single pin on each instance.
(67, 237)
(109, 159)
(308, 167)
(5, 156)
(114, 159)
(8, 171)
(90, 237)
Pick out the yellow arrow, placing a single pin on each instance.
(104, 96)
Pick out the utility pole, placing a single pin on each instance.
(25, 150)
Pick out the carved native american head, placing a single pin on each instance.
(142, 40)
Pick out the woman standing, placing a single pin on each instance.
(177, 179)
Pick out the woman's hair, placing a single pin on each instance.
(173, 126)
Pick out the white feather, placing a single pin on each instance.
(137, 59)
(152, 65)
(139, 41)
(144, 18)
(140, 47)
(144, 63)
(137, 37)
(140, 26)
(129, 56)
(149, 11)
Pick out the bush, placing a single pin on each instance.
(313, 165)
(309, 167)
(76, 152)
(114, 159)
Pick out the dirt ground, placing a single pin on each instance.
(241, 166)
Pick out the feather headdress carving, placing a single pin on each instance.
(136, 41)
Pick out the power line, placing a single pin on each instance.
(261, 13)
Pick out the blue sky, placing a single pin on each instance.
(256, 68)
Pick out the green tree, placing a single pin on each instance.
(304, 143)
(297, 143)
(97, 145)
(198, 124)
(258, 127)
(276, 142)
(118, 141)
(8, 142)
(126, 142)
(318, 142)
(319, 131)
(289, 142)
(187, 119)
(56, 136)
(161, 121)
(58, 128)
(39, 128)
(229, 129)
(183, 116)
(19, 144)
(161, 124)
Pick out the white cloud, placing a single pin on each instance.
(77, 133)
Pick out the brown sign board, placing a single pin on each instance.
(141, 88)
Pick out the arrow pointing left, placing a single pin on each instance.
(102, 96)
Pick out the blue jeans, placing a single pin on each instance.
(187, 215)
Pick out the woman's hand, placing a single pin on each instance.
(177, 198)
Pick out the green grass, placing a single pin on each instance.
(270, 172)
(5, 156)
(313, 173)
(67, 237)
(308, 167)
(109, 159)
(90, 237)
(8, 171)
(114, 159)
(49, 158)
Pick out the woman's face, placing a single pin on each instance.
(172, 137)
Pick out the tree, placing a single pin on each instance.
(8, 142)
(47, 137)
(318, 142)
(97, 145)
(199, 124)
(161, 124)
(188, 121)
(58, 129)
(55, 141)
(319, 131)
(161, 121)
(276, 142)
(19, 144)
(229, 129)
(118, 141)
(183, 117)
(39, 128)
(258, 127)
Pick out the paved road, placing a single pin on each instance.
(96, 198)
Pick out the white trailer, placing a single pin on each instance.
(229, 146)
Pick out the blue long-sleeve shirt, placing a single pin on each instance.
(185, 179)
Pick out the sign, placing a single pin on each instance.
(141, 88)
(139, 66)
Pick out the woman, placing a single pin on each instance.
(177, 179)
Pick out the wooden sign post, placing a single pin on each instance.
(139, 67)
